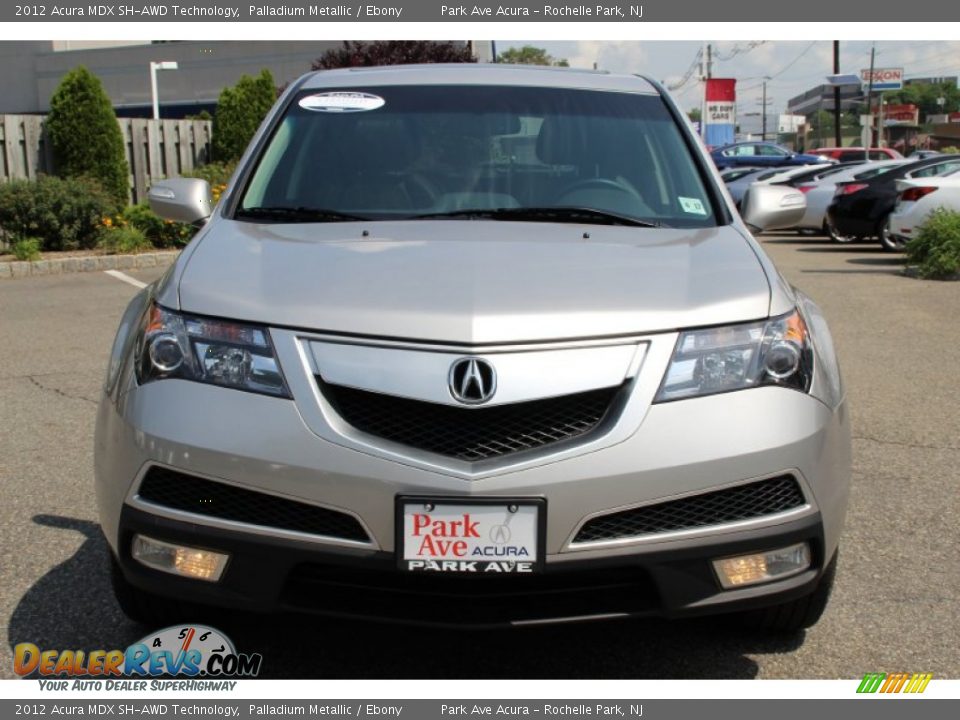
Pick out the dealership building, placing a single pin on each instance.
(33, 69)
(851, 96)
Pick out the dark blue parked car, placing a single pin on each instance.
(761, 154)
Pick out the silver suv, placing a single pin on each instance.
(474, 345)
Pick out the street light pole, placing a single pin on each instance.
(838, 140)
(154, 67)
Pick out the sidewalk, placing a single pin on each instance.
(94, 263)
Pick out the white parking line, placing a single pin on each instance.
(125, 278)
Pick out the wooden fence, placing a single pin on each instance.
(155, 149)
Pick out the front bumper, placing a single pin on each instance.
(275, 574)
(680, 449)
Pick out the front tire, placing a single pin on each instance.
(796, 615)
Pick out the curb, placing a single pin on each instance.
(62, 266)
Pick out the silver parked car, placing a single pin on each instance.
(474, 345)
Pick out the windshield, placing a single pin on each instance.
(408, 151)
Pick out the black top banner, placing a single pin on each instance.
(823, 11)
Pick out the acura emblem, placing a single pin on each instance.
(472, 380)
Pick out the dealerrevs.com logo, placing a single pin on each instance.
(185, 651)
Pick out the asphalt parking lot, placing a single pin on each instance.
(898, 589)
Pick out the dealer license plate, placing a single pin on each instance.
(472, 537)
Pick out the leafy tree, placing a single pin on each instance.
(530, 55)
(925, 96)
(85, 136)
(393, 52)
(695, 114)
(240, 110)
(822, 124)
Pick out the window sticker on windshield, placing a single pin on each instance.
(692, 206)
(341, 102)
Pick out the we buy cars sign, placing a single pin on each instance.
(883, 78)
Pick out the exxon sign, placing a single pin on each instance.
(883, 78)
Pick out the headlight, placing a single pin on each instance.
(230, 354)
(716, 360)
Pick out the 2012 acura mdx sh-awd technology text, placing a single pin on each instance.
(474, 345)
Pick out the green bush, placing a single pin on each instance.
(215, 173)
(124, 240)
(26, 249)
(63, 214)
(950, 150)
(935, 251)
(240, 110)
(161, 233)
(218, 174)
(85, 136)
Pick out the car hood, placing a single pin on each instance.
(474, 281)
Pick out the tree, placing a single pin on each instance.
(240, 110)
(530, 55)
(393, 52)
(694, 114)
(85, 136)
(822, 123)
(924, 96)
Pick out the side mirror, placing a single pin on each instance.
(185, 200)
(772, 207)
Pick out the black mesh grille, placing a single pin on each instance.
(471, 600)
(738, 503)
(471, 434)
(177, 491)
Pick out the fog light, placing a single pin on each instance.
(762, 567)
(179, 559)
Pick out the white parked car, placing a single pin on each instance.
(917, 199)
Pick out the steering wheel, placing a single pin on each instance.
(415, 183)
(595, 184)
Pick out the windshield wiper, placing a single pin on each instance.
(589, 216)
(295, 214)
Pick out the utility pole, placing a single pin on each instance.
(706, 72)
(872, 143)
(836, 95)
(764, 103)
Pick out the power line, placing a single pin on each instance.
(685, 78)
(739, 49)
(786, 67)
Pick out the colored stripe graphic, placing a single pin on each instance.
(871, 682)
(895, 682)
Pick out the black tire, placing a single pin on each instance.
(890, 243)
(796, 615)
(151, 610)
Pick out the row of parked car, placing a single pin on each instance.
(869, 196)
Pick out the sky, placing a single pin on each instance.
(794, 67)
